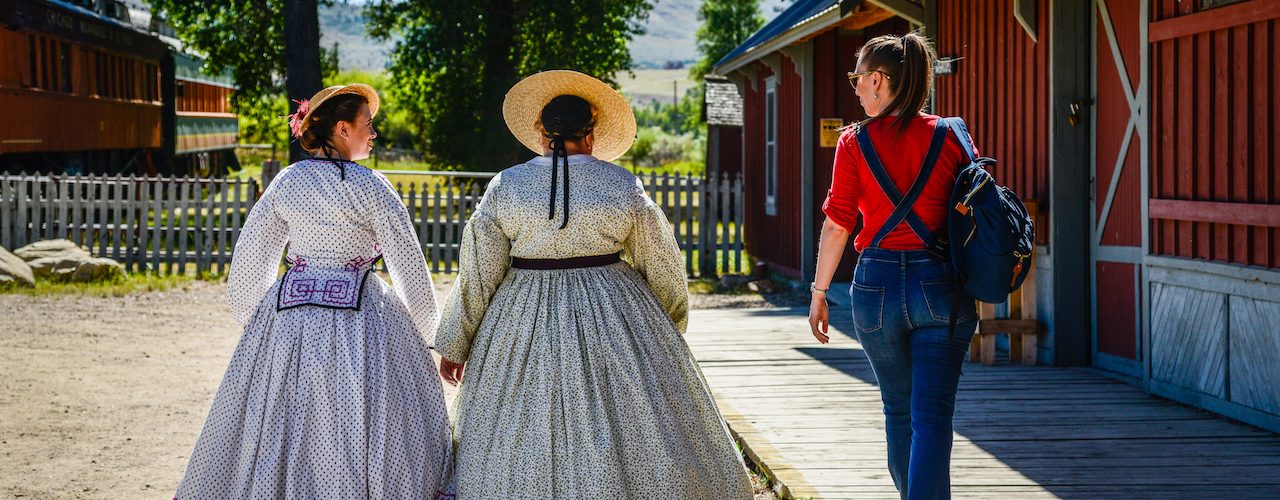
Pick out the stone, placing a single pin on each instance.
(733, 281)
(63, 260)
(57, 265)
(15, 270)
(765, 286)
(51, 248)
(98, 269)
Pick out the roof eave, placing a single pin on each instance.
(800, 31)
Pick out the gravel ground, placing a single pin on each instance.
(103, 397)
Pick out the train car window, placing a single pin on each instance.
(64, 60)
(33, 79)
(50, 65)
(98, 78)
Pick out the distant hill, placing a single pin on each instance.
(669, 36)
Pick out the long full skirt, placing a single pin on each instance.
(579, 386)
(326, 403)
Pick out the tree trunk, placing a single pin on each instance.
(501, 149)
(301, 57)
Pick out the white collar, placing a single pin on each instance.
(573, 159)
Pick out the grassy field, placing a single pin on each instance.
(651, 84)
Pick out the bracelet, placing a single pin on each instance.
(813, 287)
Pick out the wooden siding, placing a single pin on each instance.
(835, 53)
(1214, 119)
(1255, 353)
(202, 97)
(1001, 89)
(1189, 338)
(774, 239)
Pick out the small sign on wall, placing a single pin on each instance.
(830, 128)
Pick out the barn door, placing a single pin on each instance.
(1118, 178)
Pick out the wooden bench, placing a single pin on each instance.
(1021, 325)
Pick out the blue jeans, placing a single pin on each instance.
(902, 304)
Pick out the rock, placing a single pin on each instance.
(765, 286)
(57, 265)
(733, 281)
(98, 269)
(50, 248)
(14, 270)
(62, 260)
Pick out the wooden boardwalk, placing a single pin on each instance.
(811, 414)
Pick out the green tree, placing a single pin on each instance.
(725, 25)
(458, 58)
(259, 41)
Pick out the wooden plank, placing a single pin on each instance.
(724, 209)
(739, 217)
(130, 223)
(6, 212)
(1248, 214)
(1219, 18)
(182, 226)
(436, 211)
(117, 222)
(78, 195)
(1188, 338)
(223, 187)
(449, 238)
(157, 213)
(1255, 354)
(143, 224)
(169, 206)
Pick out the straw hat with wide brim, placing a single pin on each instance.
(327, 93)
(615, 128)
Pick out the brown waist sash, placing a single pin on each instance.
(570, 263)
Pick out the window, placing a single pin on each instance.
(64, 67)
(770, 146)
(32, 55)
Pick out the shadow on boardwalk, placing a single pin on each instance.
(812, 414)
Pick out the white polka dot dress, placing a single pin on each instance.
(578, 382)
(331, 392)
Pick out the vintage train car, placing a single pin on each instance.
(86, 90)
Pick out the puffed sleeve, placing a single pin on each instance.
(406, 263)
(482, 265)
(652, 250)
(255, 261)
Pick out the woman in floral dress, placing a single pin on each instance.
(568, 314)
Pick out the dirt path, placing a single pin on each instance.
(103, 397)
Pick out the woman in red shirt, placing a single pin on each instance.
(903, 296)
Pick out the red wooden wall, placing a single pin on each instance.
(1214, 123)
(1001, 89)
(773, 238)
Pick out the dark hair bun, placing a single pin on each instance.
(318, 136)
(567, 116)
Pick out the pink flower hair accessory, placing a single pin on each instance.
(297, 118)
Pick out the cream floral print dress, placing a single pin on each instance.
(578, 383)
(331, 392)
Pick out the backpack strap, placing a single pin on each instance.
(902, 204)
(958, 127)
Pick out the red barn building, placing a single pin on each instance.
(1144, 130)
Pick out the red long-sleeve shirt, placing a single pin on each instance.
(854, 190)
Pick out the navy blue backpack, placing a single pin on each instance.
(989, 235)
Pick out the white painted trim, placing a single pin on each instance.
(801, 30)
(1144, 161)
(1250, 282)
(1199, 399)
(911, 12)
(771, 145)
(1126, 367)
(1108, 253)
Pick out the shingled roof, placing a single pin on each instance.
(723, 104)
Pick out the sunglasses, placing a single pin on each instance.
(853, 77)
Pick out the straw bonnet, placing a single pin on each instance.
(298, 122)
(615, 128)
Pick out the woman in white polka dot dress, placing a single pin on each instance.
(568, 313)
(331, 392)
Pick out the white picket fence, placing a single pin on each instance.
(190, 225)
